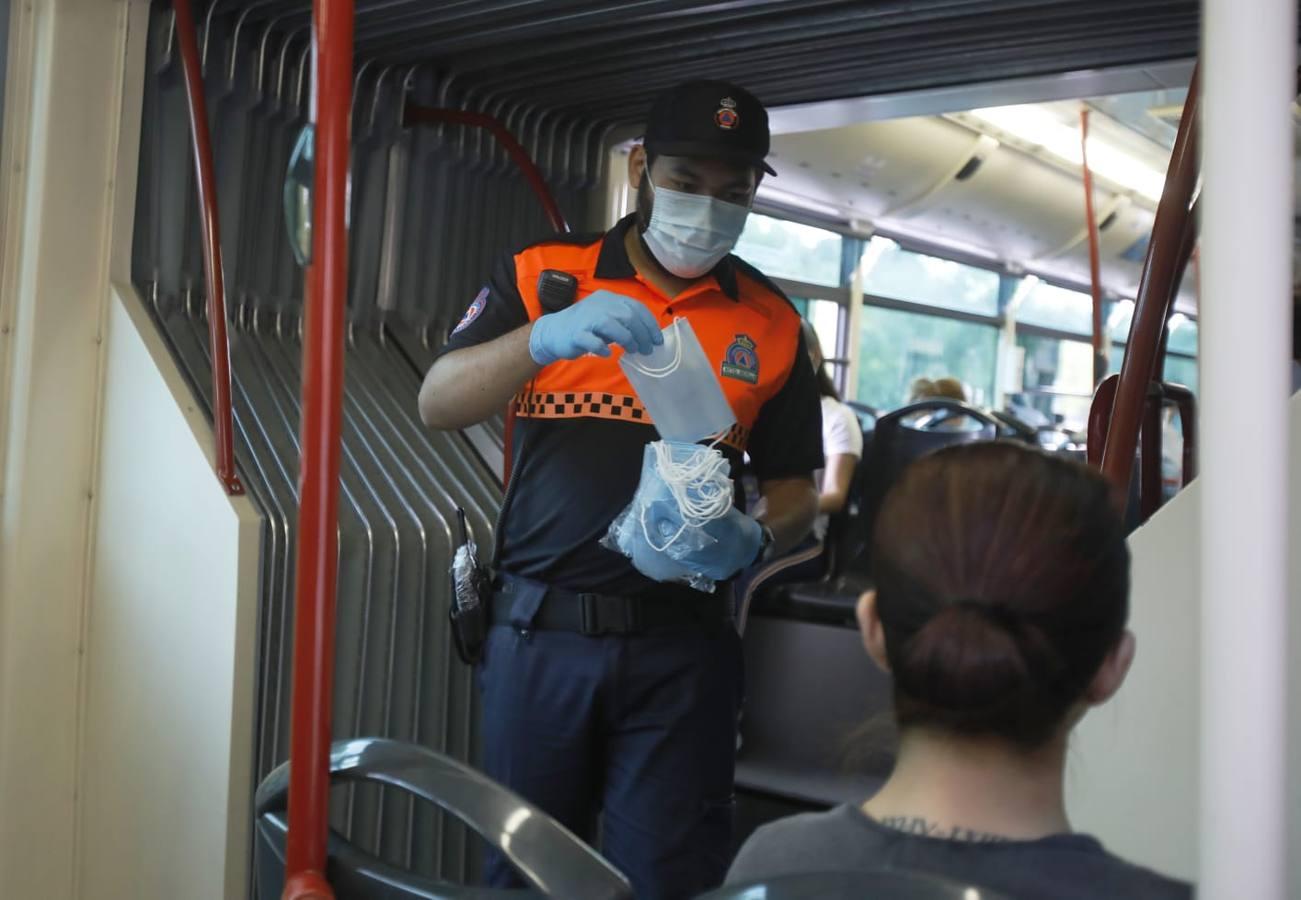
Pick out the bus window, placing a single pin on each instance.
(1057, 379)
(890, 271)
(896, 347)
(782, 249)
(1058, 308)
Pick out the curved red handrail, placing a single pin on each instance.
(318, 509)
(429, 115)
(1161, 269)
(1104, 401)
(218, 342)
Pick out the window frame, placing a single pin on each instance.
(843, 295)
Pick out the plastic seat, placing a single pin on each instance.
(550, 858)
(810, 691)
(899, 438)
(873, 885)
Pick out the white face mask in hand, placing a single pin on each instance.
(690, 233)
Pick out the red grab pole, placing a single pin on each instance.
(210, 226)
(1173, 234)
(1095, 266)
(318, 510)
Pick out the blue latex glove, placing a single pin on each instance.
(591, 325)
(738, 540)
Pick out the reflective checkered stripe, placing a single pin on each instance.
(597, 405)
(590, 404)
(737, 436)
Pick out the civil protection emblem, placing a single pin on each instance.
(742, 360)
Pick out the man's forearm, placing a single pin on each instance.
(792, 506)
(469, 385)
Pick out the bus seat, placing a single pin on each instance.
(553, 861)
(816, 729)
(884, 884)
(899, 438)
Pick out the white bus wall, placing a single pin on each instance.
(128, 582)
(167, 755)
(1294, 657)
(1132, 773)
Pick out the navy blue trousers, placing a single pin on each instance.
(641, 730)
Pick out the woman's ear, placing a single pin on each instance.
(636, 166)
(1111, 674)
(869, 623)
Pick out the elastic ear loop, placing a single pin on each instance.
(668, 368)
(704, 474)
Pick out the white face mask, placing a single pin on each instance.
(690, 233)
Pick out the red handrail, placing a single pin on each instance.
(1095, 266)
(318, 510)
(1165, 254)
(1104, 401)
(218, 343)
(429, 115)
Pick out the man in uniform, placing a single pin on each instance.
(605, 692)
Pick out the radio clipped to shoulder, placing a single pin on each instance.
(557, 290)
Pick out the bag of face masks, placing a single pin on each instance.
(683, 487)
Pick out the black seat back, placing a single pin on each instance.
(839, 544)
(1013, 428)
(900, 437)
(846, 735)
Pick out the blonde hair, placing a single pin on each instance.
(951, 388)
(920, 389)
(948, 388)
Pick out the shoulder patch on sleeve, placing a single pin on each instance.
(475, 310)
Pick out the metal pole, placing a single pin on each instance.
(210, 227)
(318, 512)
(1161, 269)
(1250, 60)
(1095, 267)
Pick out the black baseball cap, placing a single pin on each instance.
(709, 120)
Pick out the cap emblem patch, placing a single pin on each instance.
(727, 118)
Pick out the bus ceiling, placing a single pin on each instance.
(605, 60)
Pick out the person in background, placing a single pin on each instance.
(947, 388)
(842, 446)
(1001, 601)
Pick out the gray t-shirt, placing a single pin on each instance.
(1060, 867)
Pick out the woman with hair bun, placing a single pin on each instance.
(1001, 602)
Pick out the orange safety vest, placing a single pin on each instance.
(747, 328)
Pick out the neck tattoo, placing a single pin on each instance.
(920, 826)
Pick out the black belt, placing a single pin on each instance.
(601, 614)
